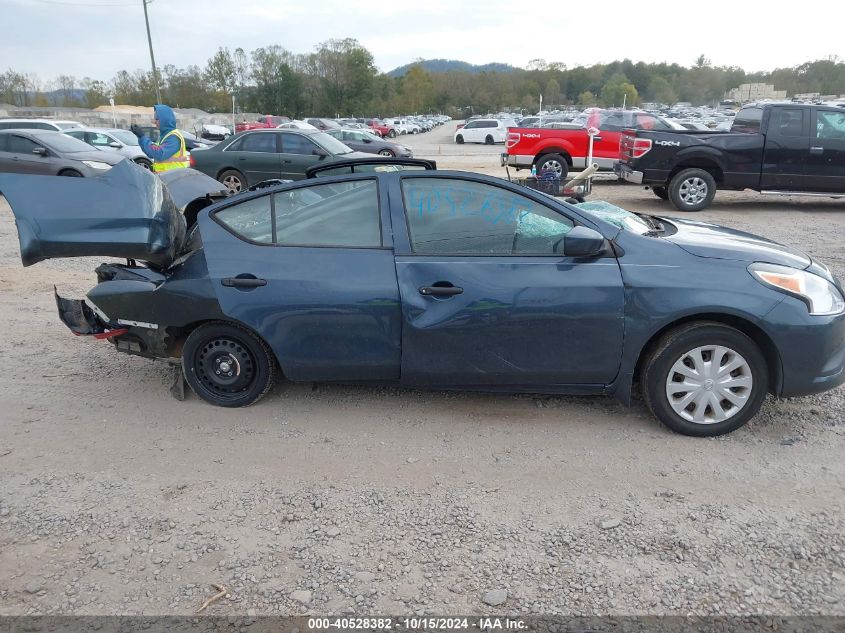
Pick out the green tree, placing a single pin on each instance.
(618, 90)
(586, 98)
(661, 91)
(416, 90)
(551, 95)
(221, 72)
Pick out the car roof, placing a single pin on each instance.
(33, 132)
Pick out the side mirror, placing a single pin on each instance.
(582, 242)
(320, 152)
(367, 140)
(40, 151)
(114, 144)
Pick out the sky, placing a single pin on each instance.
(96, 38)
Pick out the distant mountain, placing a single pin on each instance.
(445, 65)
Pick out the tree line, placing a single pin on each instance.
(339, 77)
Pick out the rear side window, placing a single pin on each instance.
(789, 122)
(748, 120)
(338, 214)
(262, 142)
(251, 220)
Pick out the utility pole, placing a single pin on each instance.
(152, 57)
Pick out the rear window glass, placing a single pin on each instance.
(748, 120)
(338, 214)
(251, 220)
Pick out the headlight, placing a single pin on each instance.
(95, 164)
(821, 296)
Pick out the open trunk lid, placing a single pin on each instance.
(128, 212)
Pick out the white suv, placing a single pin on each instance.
(38, 124)
(486, 131)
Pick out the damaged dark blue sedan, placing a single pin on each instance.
(447, 280)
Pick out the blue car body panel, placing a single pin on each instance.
(521, 323)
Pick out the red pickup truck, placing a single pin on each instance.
(561, 149)
(264, 121)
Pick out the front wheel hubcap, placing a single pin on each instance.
(709, 384)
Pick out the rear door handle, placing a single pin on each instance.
(441, 291)
(817, 150)
(596, 138)
(243, 282)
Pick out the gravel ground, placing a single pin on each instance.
(118, 499)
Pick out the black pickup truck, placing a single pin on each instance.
(771, 147)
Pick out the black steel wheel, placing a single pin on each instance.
(227, 365)
(459, 139)
(488, 140)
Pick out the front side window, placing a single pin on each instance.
(21, 145)
(298, 144)
(98, 140)
(471, 125)
(251, 220)
(830, 125)
(458, 217)
(337, 214)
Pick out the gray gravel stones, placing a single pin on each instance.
(495, 597)
(302, 596)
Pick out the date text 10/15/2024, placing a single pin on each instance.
(417, 623)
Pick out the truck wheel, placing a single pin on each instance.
(459, 139)
(705, 379)
(555, 163)
(692, 189)
(661, 192)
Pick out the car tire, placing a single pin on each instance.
(459, 139)
(387, 152)
(488, 140)
(693, 349)
(692, 189)
(227, 365)
(234, 180)
(70, 172)
(391, 133)
(661, 192)
(555, 162)
(143, 162)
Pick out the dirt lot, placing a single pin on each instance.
(118, 499)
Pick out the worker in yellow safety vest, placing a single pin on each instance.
(169, 153)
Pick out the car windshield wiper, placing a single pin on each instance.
(656, 227)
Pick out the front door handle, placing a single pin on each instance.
(596, 139)
(287, 161)
(817, 150)
(441, 291)
(243, 282)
